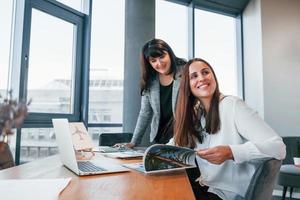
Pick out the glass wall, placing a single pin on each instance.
(51, 77)
(171, 25)
(107, 62)
(51, 67)
(37, 143)
(6, 24)
(215, 42)
(6, 13)
(55, 80)
(214, 39)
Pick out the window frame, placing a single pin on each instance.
(80, 74)
(238, 46)
(239, 43)
(67, 14)
(237, 14)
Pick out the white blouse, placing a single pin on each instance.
(249, 137)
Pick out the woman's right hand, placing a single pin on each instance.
(125, 145)
(216, 155)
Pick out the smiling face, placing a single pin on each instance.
(161, 64)
(202, 81)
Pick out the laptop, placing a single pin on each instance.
(68, 157)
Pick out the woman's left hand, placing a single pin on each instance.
(216, 155)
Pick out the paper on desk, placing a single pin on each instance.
(32, 189)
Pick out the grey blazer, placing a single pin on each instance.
(150, 110)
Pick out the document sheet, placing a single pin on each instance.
(32, 189)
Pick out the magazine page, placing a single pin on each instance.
(166, 157)
(136, 166)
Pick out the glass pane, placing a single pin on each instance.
(75, 4)
(50, 83)
(172, 31)
(107, 62)
(37, 143)
(95, 132)
(215, 41)
(6, 12)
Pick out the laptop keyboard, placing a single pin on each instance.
(87, 166)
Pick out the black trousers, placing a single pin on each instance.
(200, 192)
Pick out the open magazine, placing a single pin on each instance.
(160, 157)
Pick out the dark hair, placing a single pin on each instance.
(187, 126)
(156, 48)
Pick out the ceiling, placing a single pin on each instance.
(229, 7)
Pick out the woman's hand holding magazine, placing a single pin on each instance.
(216, 155)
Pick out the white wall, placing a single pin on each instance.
(272, 62)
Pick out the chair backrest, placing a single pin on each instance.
(292, 149)
(263, 181)
(109, 139)
(6, 158)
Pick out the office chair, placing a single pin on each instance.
(289, 175)
(6, 158)
(261, 185)
(109, 139)
(263, 181)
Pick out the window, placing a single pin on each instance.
(171, 25)
(95, 132)
(106, 118)
(55, 54)
(215, 42)
(107, 62)
(6, 13)
(37, 143)
(75, 4)
(6, 23)
(51, 67)
(51, 74)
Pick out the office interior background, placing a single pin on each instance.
(79, 59)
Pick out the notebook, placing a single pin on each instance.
(130, 154)
(68, 157)
(107, 149)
